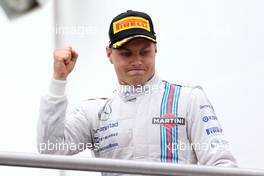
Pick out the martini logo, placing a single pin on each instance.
(129, 23)
(168, 121)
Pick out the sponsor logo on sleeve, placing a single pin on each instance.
(100, 139)
(106, 127)
(214, 130)
(218, 143)
(108, 146)
(207, 106)
(207, 118)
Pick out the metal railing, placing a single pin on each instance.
(117, 166)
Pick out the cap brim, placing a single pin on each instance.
(125, 40)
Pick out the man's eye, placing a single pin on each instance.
(145, 52)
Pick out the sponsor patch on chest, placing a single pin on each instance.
(168, 121)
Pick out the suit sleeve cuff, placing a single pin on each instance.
(57, 88)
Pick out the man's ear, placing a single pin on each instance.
(109, 54)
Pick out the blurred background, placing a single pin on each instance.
(215, 44)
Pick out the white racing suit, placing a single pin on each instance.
(159, 122)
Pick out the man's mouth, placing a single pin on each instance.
(136, 71)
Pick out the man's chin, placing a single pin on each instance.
(137, 80)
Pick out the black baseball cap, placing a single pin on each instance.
(129, 25)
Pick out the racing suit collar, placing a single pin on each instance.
(128, 92)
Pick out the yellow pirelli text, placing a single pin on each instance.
(129, 23)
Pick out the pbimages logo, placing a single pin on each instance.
(216, 145)
(65, 146)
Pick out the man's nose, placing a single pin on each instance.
(137, 60)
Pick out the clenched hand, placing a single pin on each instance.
(64, 62)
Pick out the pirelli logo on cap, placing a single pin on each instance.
(129, 23)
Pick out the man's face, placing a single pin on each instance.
(134, 62)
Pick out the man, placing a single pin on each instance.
(146, 118)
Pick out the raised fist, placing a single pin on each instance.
(64, 62)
